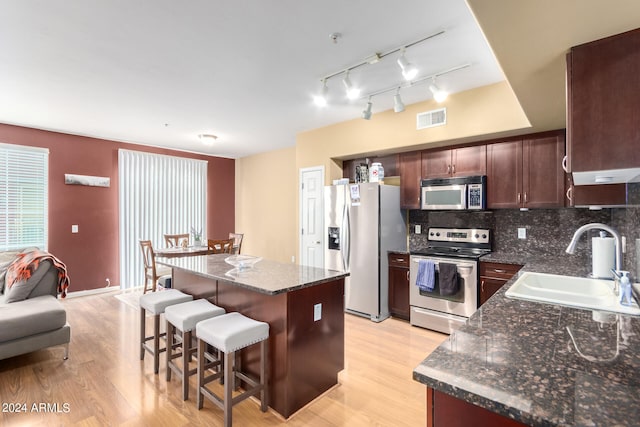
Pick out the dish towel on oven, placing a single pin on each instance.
(448, 279)
(426, 277)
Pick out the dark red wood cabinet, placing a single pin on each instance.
(463, 161)
(603, 106)
(399, 285)
(526, 173)
(493, 276)
(410, 180)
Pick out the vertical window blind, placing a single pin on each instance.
(158, 195)
(24, 173)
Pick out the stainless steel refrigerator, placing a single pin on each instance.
(363, 222)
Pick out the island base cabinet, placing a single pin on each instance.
(305, 356)
(447, 411)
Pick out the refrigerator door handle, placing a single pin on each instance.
(344, 247)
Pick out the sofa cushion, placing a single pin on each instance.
(33, 316)
(3, 274)
(22, 289)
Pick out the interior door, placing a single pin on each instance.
(311, 217)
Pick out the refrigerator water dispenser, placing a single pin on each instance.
(334, 238)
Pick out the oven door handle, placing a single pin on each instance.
(459, 267)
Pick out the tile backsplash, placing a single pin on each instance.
(548, 231)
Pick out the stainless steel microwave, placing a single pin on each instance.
(463, 193)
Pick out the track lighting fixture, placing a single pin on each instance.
(352, 91)
(398, 105)
(321, 99)
(438, 94)
(409, 71)
(366, 113)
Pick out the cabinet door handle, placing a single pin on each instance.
(448, 168)
(518, 197)
(399, 259)
(569, 193)
(564, 164)
(453, 169)
(408, 277)
(482, 286)
(525, 197)
(499, 270)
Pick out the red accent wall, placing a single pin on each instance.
(91, 255)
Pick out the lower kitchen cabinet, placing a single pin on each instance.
(399, 285)
(493, 276)
(445, 410)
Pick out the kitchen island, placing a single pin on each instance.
(517, 362)
(304, 307)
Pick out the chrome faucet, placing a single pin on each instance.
(598, 226)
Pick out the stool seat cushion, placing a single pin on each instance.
(184, 316)
(156, 302)
(232, 331)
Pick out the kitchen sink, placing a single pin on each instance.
(581, 292)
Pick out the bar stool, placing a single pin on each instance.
(184, 318)
(155, 303)
(231, 333)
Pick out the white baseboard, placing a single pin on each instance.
(93, 292)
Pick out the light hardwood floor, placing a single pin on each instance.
(105, 383)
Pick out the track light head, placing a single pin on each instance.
(366, 113)
(398, 105)
(438, 94)
(321, 98)
(409, 71)
(352, 91)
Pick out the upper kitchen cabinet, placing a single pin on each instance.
(465, 161)
(526, 173)
(603, 106)
(410, 180)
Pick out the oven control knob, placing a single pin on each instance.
(431, 234)
(438, 234)
(477, 236)
(484, 236)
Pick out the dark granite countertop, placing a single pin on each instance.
(542, 364)
(268, 277)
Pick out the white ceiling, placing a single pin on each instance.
(160, 72)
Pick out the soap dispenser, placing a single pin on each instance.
(625, 289)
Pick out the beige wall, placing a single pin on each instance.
(266, 210)
(267, 202)
(472, 115)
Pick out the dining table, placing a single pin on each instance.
(178, 252)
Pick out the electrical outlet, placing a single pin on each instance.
(418, 229)
(522, 233)
(74, 228)
(317, 312)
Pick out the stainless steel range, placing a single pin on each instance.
(451, 261)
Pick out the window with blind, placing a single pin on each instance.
(158, 195)
(24, 180)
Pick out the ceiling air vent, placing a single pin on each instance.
(432, 118)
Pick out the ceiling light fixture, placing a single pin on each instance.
(321, 99)
(352, 91)
(409, 71)
(398, 105)
(366, 113)
(438, 94)
(207, 137)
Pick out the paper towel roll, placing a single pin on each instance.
(603, 253)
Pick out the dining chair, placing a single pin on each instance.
(176, 240)
(224, 246)
(151, 276)
(237, 241)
